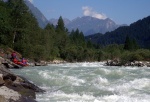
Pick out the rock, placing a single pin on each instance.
(9, 94)
(8, 63)
(2, 99)
(1, 80)
(40, 64)
(113, 63)
(24, 92)
(4, 70)
(9, 76)
(29, 85)
(134, 63)
(15, 88)
(56, 62)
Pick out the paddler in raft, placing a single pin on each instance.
(23, 62)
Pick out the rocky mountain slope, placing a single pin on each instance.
(42, 21)
(139, 30)
(88, 25)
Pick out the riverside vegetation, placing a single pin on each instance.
(19, 30)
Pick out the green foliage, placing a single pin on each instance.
(19, 30)
(140, 31)
(60, 25)
(130, 44)
(113, 51)
(5, 27)
(138, 55)
(77, 38)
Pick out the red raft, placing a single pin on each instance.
(21, 63)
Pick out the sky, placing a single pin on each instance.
(120, 11)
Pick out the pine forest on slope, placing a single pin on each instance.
(140, 31)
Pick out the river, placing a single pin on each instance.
(89, 82)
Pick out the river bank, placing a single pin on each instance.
(18, 89)
(129, 63)
(14, 88)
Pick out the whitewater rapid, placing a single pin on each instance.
(89, 82)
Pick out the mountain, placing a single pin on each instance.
(139, 31)
(54, 21)
(89, 25)
(42, 21)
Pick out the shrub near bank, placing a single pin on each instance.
(138, 55)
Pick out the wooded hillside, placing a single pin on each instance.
(19, 30)
(140, 31)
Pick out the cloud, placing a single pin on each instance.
(88, 11)
(31, 1)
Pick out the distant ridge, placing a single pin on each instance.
(42, 21)
(89, 25)
(140, 31)
(54, 21)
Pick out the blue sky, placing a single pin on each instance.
(120, 11)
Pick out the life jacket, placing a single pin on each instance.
(18, 62)
(13, 55)
(15, 60)
(24, 61)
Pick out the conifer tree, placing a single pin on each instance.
(18, 13)
(61, 36)
(127, 45)
(5, 27)
(60, 25)
(130, 44)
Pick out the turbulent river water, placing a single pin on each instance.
(89, 82)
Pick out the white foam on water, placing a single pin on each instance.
(91, 82)
(124, 98)
(131, 68)
(106, 71)
(110, 71)
(47, 75)
(60, 96)
(130, 88)
(81, 64)
(75, 81)
(116, 72)
(100, 81)
(55, 76)
(74, 97)
(92, 64)
(44, 74)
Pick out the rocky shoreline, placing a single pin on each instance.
(14, 88)
(131, 63)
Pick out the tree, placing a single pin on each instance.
(50, 28)
(61, 36)
(18, 13)
(127, 45)
(5, 27)
(60, 25)
(130, 44)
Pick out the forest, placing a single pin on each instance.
(139, 30)
(20, 31)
